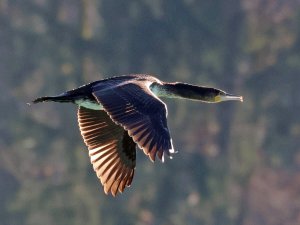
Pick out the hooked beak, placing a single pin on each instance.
(230, 97)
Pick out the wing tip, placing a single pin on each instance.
(162, 156)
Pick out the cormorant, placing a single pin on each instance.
(118, 113)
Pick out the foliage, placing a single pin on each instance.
(237, 163)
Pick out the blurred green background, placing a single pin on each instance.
(237, 164)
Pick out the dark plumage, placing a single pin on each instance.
(118, 113)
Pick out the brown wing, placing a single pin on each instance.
(111, 150)
(133, 106)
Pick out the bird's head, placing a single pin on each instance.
(193, 92)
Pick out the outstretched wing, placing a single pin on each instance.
(111, 150)
(143, 115)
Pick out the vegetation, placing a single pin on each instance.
(237, 163)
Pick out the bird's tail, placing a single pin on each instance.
(65, 97)
(51, 98)
(69, 96)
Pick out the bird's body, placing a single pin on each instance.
(118, 113)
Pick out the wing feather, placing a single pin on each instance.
(111, 150)
(133, 106)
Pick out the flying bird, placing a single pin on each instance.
(117, 114)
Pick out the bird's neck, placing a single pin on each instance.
(183, 90)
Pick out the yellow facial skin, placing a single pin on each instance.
(218, 98)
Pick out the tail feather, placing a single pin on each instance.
(69, 96)
(44, 99)
(62, 98)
